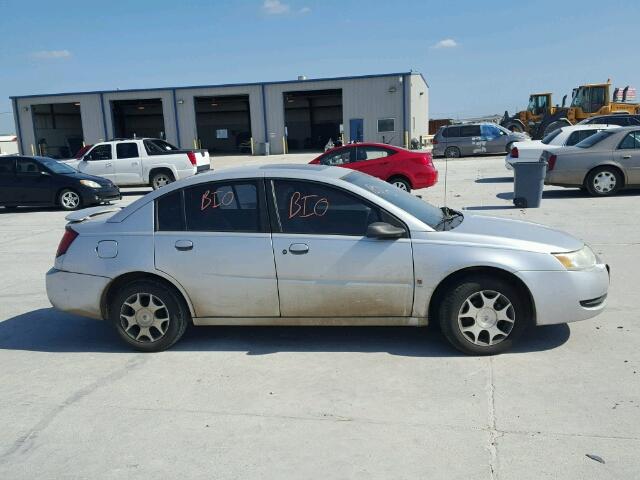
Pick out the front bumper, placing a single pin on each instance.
(100, 195)
(567, 296)
(76, 293)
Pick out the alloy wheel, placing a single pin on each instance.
(401, 185)
(486, 318)
(144, 317)
(70, 200)
(161, 180)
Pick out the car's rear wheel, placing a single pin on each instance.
(400, 182)
(148, 316)
(69, 199)
(452, 152)
(160, 179)
(483, 315)
(603, 181)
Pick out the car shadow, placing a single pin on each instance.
(570, 193)
(492, 207)
(4, 211)
(48, 330)
(495, 180)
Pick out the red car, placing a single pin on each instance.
(403, 168)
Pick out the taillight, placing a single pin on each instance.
(66, 241)
(192, 158)
(551, 162)
(428, 159)
(434, 141)
(514, 152)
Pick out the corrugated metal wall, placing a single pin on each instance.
(370, 98)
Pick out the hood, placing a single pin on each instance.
(85, 176)
(516, 234)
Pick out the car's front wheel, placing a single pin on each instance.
(483, 315)
(69, 199)
(148, 316)
(603, 181)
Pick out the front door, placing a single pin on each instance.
(216, 244)
(128, 164)
(99, 161)
(628, 155)
(33, 184)
(356, 129)
(326, 265)
(494, 138)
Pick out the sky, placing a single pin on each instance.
(479, 57)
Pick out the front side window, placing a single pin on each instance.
(340, 157)
(127, 150)
(222, 207)
(490, 131)
(631, 141)
(386, 125)
(99, 152)
(26, 166)
(317, 209)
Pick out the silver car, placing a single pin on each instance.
(602, 164)
(474, 139)
(317, 245)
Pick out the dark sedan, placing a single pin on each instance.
(42, 181)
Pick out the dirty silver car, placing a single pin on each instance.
(455, 141)
(316, 245)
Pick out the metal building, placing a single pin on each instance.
(286, 116)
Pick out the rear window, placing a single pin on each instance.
(549, 138)
(594, 139)
(170, 213)
(451, 132)
(157, 146)
(222, 207)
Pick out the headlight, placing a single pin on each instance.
(579, 260)
(90, 183)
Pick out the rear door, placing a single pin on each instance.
(628, 155)
(33, 182)
(326, 265)
(374, 161)
(471, 140)
(8, 180)
(99, 161)
(128, 164)
(213, 238)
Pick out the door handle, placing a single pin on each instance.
(108, 164)
(299, 248)
(184, 245)
(626, 156)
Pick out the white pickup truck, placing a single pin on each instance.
(141, 161)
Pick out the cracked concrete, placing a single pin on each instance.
(370, 403)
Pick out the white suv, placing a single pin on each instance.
(141, 161)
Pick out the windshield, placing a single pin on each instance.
(547, 140)
(596, 138)
(423, 211)
(501, 128)
(57, 167)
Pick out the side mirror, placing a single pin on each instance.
(383, 230)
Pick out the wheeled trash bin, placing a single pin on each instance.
(528, 183)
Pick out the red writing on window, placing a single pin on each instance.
(305, 206)
(215, 199)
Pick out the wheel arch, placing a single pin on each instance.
(610, 165)
(129, 277)
(454, 277)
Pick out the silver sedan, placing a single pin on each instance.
(315, 245)
(602, 164)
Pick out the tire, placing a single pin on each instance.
(161, 178)
(553, 126)
(491, 331)
(603, 181)
(452, 152)
(147, 329)
(400, 182)
(69, 199)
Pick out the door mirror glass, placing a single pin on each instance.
(383, 230)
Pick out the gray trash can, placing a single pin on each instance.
(528, 183)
